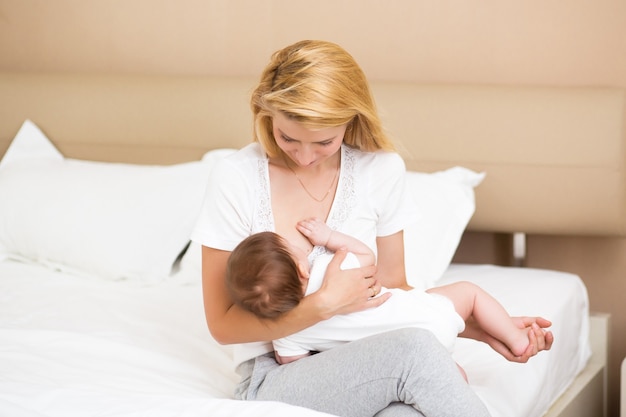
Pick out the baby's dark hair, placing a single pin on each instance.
(262, 276)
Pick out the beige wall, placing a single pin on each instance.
(516, 42)
(532, 42)
(602, 263)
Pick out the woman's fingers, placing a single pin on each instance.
(349, 290)
(377, 301)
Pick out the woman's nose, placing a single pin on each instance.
(305, 156)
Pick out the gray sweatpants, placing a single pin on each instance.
(405, 372)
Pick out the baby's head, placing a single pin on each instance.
(264, 276)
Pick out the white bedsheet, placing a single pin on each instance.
(510, 389)
(76, 346)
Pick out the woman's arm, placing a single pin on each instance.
(391, 272)
(341, 292)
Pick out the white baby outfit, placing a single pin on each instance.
(414, 308)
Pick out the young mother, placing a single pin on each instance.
(319, 151)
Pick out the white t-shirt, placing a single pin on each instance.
(370, 201)
(414, 308)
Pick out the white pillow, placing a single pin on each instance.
(118, 221)
(191, 263)
(190, 268)
(446, 203)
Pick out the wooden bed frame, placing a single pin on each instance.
(587, 396)
(623, 392)
(530, 141)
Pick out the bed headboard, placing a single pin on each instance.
(555, 157)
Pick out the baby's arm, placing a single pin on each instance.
(283, 360)
(320, 234)
(287, 350)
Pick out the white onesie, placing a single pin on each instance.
(414, 308)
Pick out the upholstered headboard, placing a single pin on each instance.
(555, 158)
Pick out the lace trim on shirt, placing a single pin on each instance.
(345, 198)
(264, 208)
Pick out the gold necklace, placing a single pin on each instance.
(319, 200)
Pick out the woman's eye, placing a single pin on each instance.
(286, 139)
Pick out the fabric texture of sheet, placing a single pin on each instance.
(76, 346)
(71, 346)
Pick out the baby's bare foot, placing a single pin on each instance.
(520, 342)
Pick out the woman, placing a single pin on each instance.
(319, 151)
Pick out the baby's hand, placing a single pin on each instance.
(315, 230)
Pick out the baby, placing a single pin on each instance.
(268, 276)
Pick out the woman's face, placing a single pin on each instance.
(306, 147)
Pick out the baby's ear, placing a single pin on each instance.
(303, 270)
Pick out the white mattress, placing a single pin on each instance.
(76, 346)
(510, 389)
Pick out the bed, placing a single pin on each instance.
(101, 310)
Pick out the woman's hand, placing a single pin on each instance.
(539, 338)
(347, 291)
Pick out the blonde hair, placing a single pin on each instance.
(320, 85)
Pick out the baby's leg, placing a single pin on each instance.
(463, 373)
(472, 301)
